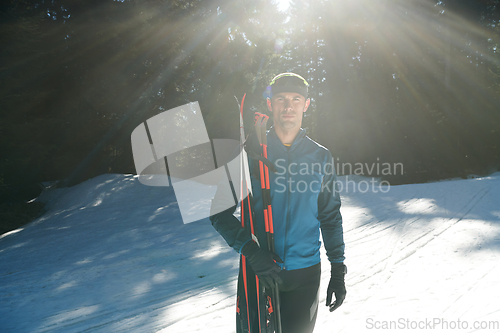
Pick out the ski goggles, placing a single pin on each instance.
(289, 82)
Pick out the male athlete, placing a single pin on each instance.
(304, 201)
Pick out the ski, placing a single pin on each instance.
(267, 317)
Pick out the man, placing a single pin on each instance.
(304, 201)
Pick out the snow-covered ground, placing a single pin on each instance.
(112, 255)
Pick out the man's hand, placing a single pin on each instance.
(336, 286)
(263, 264)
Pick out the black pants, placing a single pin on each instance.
(298, 298)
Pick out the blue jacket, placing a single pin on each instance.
(304, 199)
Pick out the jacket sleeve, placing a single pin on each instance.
(228, 226)
(329, 215)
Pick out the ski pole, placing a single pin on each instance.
(260, 126)
(247, 201)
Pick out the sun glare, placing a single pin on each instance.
(283, 5)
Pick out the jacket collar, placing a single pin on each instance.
(300, 137)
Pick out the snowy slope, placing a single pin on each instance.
(112, 255)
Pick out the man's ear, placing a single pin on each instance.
(308, 101)
(269, 106)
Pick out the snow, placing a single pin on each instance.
(112, 255)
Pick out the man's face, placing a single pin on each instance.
(288, 109)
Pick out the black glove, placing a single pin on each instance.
(263, 264)
(336, 286)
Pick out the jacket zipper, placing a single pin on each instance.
(287, 220)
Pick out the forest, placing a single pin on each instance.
(413, 83)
